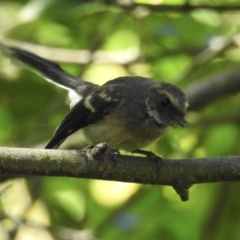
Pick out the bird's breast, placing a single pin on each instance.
(120, 136)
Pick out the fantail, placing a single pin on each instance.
(127, 113)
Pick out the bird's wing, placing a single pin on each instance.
(89, 110)
(74, 120)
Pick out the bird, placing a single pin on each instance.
(127, 113)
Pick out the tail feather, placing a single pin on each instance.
(50, 70)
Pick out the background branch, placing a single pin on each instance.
(83, 56)
(199, 94)
(212, 88)
(180, 8)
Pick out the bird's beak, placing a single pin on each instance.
(180, 121)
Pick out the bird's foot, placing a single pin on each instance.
(101, 152)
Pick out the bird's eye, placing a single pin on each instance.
(165, 102)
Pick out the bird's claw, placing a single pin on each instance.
(101, 152)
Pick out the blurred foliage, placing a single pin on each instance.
(174, 46)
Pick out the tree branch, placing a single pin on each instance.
(180, 8)
(83, 56)
(180, 174)
(212, 88)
